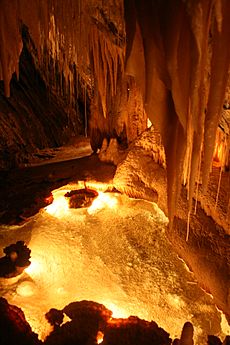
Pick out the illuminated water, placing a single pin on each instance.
(115, 253)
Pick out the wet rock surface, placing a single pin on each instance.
(89, 323)
(16, 259)
(81, 197)
(14, 329)
(33, 118)
(23, 192)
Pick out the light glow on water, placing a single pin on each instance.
(60, 205)
(116, 253)
(103, 200)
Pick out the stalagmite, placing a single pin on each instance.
(187, 334)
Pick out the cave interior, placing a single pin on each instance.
(133, 96)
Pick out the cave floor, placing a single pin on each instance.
(23, 191)
(115, 253)
(76, 147)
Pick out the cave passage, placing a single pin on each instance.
(116, 253)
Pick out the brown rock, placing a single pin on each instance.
(134, 331)
(187, 334)
(14, 329)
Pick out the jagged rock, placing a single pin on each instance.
(32, 118)
(14, 329)
(227, 340)
(213, 340)
(87, 318)
(225, 121)
(139, 175)
(176, 342)
(134, 331)
(86, 310)
(111, 152)
(81, 197)
(54, 317)
(15, 261)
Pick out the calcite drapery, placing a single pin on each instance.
(183, 78)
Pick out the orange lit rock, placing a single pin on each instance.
(81, 197)
(14, 329)
(208, 237)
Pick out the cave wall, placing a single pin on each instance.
(176, 55)
(126, 118)
(171, 49)
(178, 51)
(183, 61)
(173, 52)
(78, 48)
(35, 116)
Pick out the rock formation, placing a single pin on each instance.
(101, 69)
(16, 259)
(87, 322)
(204, 242)
(14, 329)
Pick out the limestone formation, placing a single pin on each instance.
(14, 329)
(16, 259)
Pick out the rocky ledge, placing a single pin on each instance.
(89, 323)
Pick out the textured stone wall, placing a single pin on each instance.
(35, 116)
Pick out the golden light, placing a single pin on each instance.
(77, 256)
(26, 289)
(117, 312)
(100, 337)
(221, 149)
(99, 186)
(149, 123)
(218, 153)
(103, 200)
(60, 205)
(34, 269)
(224, 324)
(65, 319)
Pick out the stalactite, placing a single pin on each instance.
(85, 110)
(222, 166)
(187, 159)
(106, 57)
(220, 64)
(180, 56)
(10, 41)
(199, 86)
(188, 226)
(218, 187)
(197, 184)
